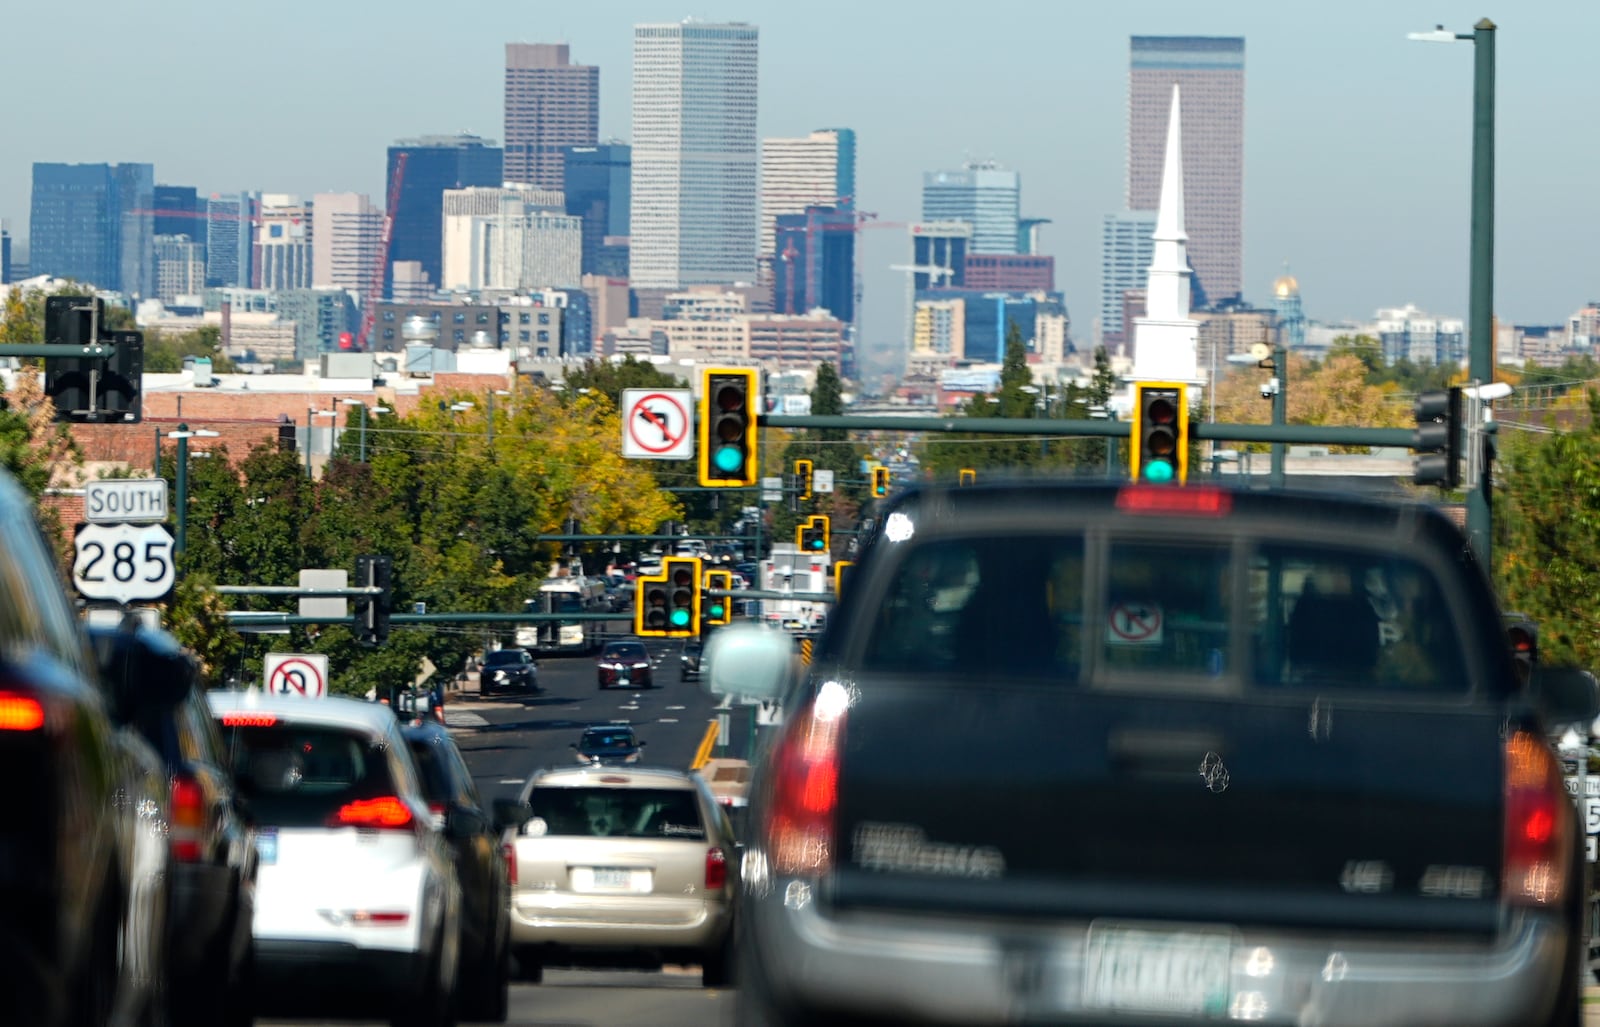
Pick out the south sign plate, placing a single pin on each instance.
(123, 563)
(115, 500)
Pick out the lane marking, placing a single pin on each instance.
(677, 708)
(511, 780)
(666, 720)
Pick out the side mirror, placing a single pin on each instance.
(143, 667)
(511, 814)
(749, 661)
(1566, 695)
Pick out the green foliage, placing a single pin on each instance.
(609, 379)
(1571, 373)
(828, 449)
(196, 616)
(1547, 525)
(163, 353)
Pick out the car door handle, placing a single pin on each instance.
(1162, 753)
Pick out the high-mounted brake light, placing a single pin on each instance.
(187, 819)
(1199, 501)
(1538, 838)
(20, 713)
(249, 720)
(385, 812)
(800, 825)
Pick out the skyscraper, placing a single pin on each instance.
(984, 196)
(346, 230)
(694, 197)
(433, 164)
(284, 253)
(513, 237)
(180, 267)
(94, 223)
(1210, 71)
(179, 211)
(815, 262)
(598, 184)
(1126, 248)
(550, 104)
(816, 171)
(230, 239)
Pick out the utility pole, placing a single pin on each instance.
(1480, 327)
(1280, 410)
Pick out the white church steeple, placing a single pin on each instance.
(1166, 338)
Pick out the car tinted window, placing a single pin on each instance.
(608, 740)
(432, 770)
(1167, 608)
(300, 775)
(502, 656)
(617, 813)
(624, 652)
(1352, 619)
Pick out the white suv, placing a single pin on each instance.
(357, 902)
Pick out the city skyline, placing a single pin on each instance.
(1357, 142)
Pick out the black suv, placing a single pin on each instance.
(1160, 753)
(508, 668)
(484, 865)
(211, 845)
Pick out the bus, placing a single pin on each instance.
(570, 594)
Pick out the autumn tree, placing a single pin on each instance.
(164, 353)
(1335, 393)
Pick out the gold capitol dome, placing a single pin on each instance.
(1285, 285)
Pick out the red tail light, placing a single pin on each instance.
(1538, 838)
(187, 819)
(20, 713)
(385, 812)
(805, 765)
(716, 870)
(1197, 501)
(249, 720)
(380, 918)
(509, 851)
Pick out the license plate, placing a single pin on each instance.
(267, 847)
(622, 679)
(610, 879)
(1158, 971)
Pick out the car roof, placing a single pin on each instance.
(331, 711)
(613, 777)
(600, 729)
(425, 730)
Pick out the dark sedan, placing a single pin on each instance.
(508, 668)
(613, 745)
(624, 665)
(689, 660)
(483, 866)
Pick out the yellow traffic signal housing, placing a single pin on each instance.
(839, 569)
(802, 474)
(880, 482)
(1158, 444)
(812, 536)
(717, 610)
(730, 402)
(968, 476)
(667, 605)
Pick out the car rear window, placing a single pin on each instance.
(500, 656)
(624, 652)
(608, 740)
(300, 776)
(616, 813)
(1202, 615)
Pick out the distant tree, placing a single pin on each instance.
(943, 456)
(610, 378)
(830, 449)
(164, 353)
(1335, 393)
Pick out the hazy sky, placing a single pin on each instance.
(1357, 141)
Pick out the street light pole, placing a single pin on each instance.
(182, 489)
(1481, 299)
(1280, 410)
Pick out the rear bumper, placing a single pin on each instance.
(949, 970)
(551, 918)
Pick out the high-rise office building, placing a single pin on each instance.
(1126, 249)
(180, 267)
(513, 237)
(346, 231)
(433, 164)
(940, 244)
(818, 170)
(179, 211)
(1210, 70)
(284, 253)
(982, 194)
(695, 155)
(550, 104)
(597, 182)
(5, 255)
(230, 239)
(815, 265)
(95, 223)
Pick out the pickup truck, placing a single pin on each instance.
(1159, 754)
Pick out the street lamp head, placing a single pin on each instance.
(1440, 34)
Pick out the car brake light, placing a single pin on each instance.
(20, 713)
(385, 812)
(1198, 501)
(368, 918)
(509, 851)
(1538, 839)
(716, 870)
(806, 786)
(187, 819)
(249, 720)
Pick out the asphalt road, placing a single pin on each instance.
(505, 738)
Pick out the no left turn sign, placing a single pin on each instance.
(296, 675)
(1133, 623)
(656, 424)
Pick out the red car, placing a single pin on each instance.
(625, 665)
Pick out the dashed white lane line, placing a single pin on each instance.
(453, 718)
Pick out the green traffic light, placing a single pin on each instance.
(716, 610)
(728, 459)
(680, 618)
(1158, 471)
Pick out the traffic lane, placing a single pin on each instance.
(506, 737)
(598, 998)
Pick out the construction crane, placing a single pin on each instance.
(369, 304)
(933, 271)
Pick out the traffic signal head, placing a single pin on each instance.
(840, 572)
(667, 605)
(372, 611)
(1437, 438)
(968, 476)
(812, 535)
(729, 406)
(1523, 634)
(802, 473)
(717, 610)
(880, 482)
(1159, 444)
